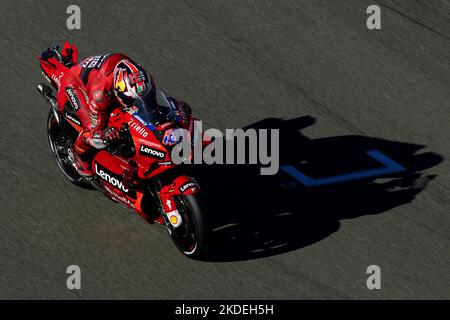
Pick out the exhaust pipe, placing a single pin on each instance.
(47, 93)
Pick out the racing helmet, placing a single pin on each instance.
(131, 82)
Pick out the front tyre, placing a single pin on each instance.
(60, 144)
(192, 236)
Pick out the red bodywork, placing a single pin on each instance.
(146, 167)
(53, 70)
(117, 173)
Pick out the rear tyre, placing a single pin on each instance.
(192, 236)
(60, 145)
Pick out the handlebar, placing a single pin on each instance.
(124, 132)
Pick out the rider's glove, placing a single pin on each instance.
(110, 134)
(183, 112)
(102, 139)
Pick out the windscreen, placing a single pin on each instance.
(152, 114)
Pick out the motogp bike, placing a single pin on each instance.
(136, 171)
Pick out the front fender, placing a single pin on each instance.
(182, 185)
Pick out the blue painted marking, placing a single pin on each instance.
(390, 166)
(143, 122)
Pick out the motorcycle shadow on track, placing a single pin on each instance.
(255, 216)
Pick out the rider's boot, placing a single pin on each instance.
(81, 162)
(82, 156)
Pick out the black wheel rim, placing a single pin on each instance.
(60, 145)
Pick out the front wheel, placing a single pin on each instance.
(192, 236)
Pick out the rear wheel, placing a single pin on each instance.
(192, 236)
(61, 146)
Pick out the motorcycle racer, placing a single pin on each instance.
(110, 101)
(93, 87)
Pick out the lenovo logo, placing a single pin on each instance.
(73, 98)
(68, 116)
(187, 185)
(150, 152)
(110, 178)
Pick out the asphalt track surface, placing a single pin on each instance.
(248, 63)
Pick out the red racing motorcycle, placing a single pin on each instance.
(136, 171)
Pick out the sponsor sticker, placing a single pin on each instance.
(137, 77)
(138, 117)
(138, 128)
(187, 185)
(46, 77)
(112, 179)
(149, 143)
(174, 218)
(150, 152)
(170, 138)
(94, 61)
(57, 79)
(73, 98)
(94, 119)
(102, 59)
(86, 96)
(71, 118)
(120, 198)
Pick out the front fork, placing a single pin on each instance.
(47, 93)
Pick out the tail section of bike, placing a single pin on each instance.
(52, 66)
